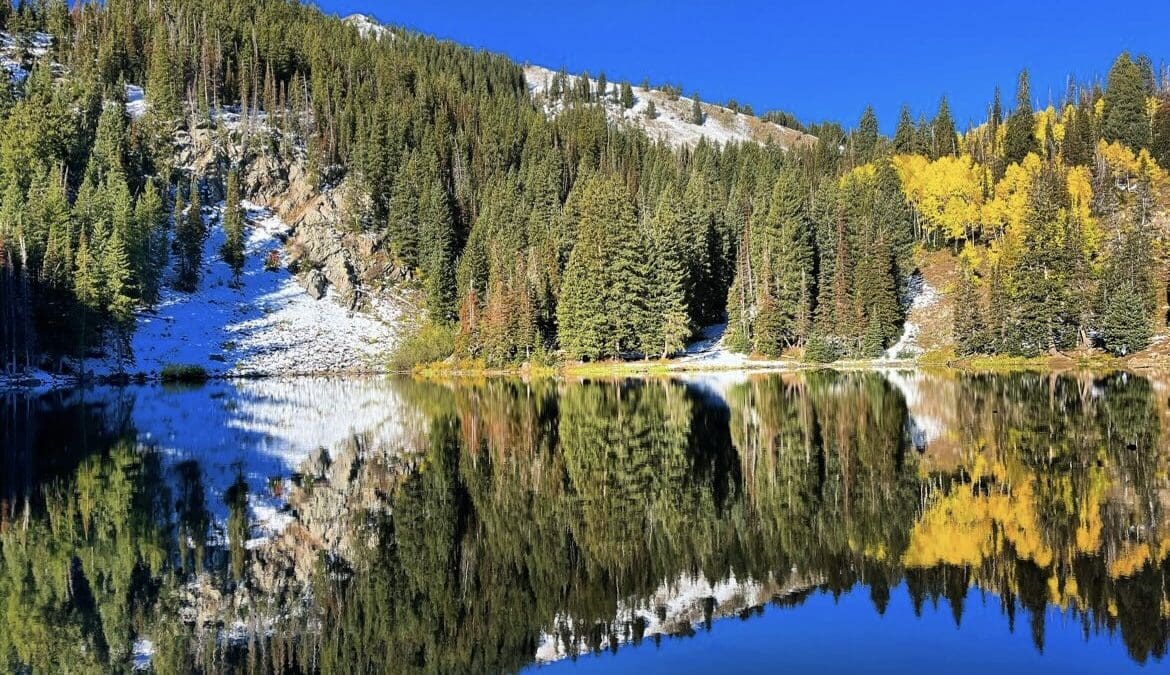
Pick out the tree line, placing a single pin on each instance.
(530, 236)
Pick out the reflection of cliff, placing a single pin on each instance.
(675, 609)
(479, 526)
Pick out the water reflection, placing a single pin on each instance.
(353, 525)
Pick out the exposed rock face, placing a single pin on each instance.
(324, 247)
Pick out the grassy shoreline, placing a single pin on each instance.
(656, 367)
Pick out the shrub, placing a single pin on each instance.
(183, 372)
(820, 350)
(430, 342)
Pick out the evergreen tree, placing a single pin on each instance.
(1125, 327)
(1160, 141)
(696, 109)
(906, 135)
(866, 137)
(945, 137)
(1019, 139)
(162, 89)
(189, 236)
(602, 311)
(627, 97)
(968, 320)
(150, 218)
(232, 251)
(1123, 117)
(651, 110)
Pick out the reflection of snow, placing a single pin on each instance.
(262, 430)
(673, 608)
(923, 428)
(142, 652)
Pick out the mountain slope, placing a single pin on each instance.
(672, 124)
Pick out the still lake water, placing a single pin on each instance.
(829, 522)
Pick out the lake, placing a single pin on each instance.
(894, 521)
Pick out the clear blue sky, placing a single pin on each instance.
(820, 59)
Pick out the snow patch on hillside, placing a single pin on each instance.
(673, 124)
(919, 296)
(135, 101)
(368, 27)
(269, 325)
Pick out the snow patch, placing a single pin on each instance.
(673, 124)
(368, 27)
(268, 325)
(919, 296)
(711, 351)
(135, 101)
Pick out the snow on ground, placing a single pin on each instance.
(710, 351)
(268, 326)
(921, 296)
(368, 27)
(673, 123)
(135, 101)
(10, 57)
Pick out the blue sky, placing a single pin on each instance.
(819, 59)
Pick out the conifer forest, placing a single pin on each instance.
(531, 237)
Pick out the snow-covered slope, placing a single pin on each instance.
(269, 325)
(673, 123)
(369, 27)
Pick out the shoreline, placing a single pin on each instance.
(44, 381)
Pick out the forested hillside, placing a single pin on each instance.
(533, 228)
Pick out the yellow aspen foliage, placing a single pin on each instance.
(946, 193)
(1126, 167)
(1080, 196)
(1006, 210)
(862, 174)
(1047, 117)
(1098, 109)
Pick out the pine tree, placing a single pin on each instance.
(905, 136)
(602, 88)
(670, 312)
(651, 110)
(945, 136)
(1123, 117)
(87, 291)
(968, 321)
(437, 251)
(116, 297)
(627, 96)
(866, 137)
(232, 251)
(151, 223)
(1125, 327)
(189, 236)
(602, 312)
(162, 89)
(1160, 141)
(1019, 139)
(696, 109)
